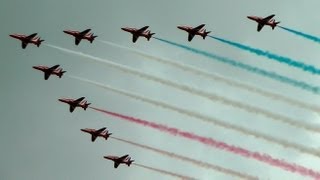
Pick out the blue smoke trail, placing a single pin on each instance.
(272, 75)
(281, 59)
(307, 36)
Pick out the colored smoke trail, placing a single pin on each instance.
(265, 158)
(164, 172)
(198, 92)
(190, 160)
(217, 77)
(269, 55)
(272, 75)
(302, 34)
(208, 119)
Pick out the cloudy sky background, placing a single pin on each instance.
(40, 139)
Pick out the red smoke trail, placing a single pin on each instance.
(220, 145)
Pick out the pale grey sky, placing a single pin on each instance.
(40, 139)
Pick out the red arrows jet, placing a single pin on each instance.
(95, 133)
(73, 103)
(54, 70)
(126, 159)
(195, 31)
(25, 40)
(81, 35)
(139, 32)
(264, 21)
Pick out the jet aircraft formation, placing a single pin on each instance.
(140, 32)
(136, 33)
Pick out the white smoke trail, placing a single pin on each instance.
(190, 160)
(281, 142)
(217, 77)
(213, 97)
(165, 172)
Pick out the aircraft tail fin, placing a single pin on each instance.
(150, 36)
(107, 135)
(39, 42)
(85, 106)
(61, 73)
(92, 38)
(129, 162)
(205, 34)
(275, 24)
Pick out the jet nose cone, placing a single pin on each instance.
(82, 130)
(250, 17)
(65, 31)
(61, 100)
(34, 67)
(179, 27)
(124, 29)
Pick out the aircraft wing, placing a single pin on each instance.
(268, 18)
(24, 45)
(116, 164)
(79, 100)
(260, 26)
(190, 36)
(123, 157)
(46, 75)
(32, 35)
(71, 108)
(93, 138)
(77, 41)
(54, 67)
(100, 130)
(143, 29)
(85, 32)
(134, 38)
(198, 27)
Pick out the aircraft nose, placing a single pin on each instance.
(249, 17)
(61, 100)
(34, 67)
(124, 29)
(82, 130)
(179, 27)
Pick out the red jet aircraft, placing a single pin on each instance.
(126, 159)
(81, 35)
(54, 70)
(139, 32)
(95, 133)
(195, 31)
(25, 40)
(73, 103)
(264, 21)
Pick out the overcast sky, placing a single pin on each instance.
(41, 139)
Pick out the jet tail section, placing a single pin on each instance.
(129, 162)
(150, 36)
(275, 24)
(85, 106)
(92, 38)
(107, 135)
(205, 34)
(61, 73)
(39, 42)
